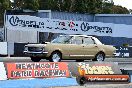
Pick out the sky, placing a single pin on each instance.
(124, 3)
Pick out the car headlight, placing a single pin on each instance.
(114, 53)
(25, 48)
(43, 49)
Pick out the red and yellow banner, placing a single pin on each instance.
(37, 70)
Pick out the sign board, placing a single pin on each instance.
(122, 52)
(107, 78)
(36, 70)
(98, 72)
(28, 23)
(93, 68)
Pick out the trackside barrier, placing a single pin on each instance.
(128, 71)
(36, 70)
(92, 71)
(3, 75)
(97, 72)
(130, 74)
(131, 77)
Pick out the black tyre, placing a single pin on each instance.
(35, 59)
(55, 57)
(79, 60)
(99, 57)
(81, 80)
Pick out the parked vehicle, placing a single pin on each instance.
(69, 47)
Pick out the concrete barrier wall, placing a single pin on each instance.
(6, 48)
(22, 70)
(21, 36)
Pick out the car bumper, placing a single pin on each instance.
(35, 53)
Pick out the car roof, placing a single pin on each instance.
(77, 35)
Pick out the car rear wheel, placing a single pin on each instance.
(35, 59)
(55, 57)
(100, 57)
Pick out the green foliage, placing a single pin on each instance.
(26, 4)
(31, 4)
(116, 9)
(4, 5)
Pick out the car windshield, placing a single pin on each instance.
(62, 39)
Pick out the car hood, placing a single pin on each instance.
(35, 45)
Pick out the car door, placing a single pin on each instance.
(89, 47)
(76, 48)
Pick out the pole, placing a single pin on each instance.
(5, 29)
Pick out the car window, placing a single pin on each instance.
(97, 41)
(77, 40)
(62, 39)
(88, 40)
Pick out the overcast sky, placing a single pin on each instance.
(124, 3)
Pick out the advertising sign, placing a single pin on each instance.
(86, 69)
(107, 78)
(36, 70)
(98, 72)
(28, 23)
(122, 52)
(93, 68)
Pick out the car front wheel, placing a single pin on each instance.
(55, 57)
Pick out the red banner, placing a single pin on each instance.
(37, 70)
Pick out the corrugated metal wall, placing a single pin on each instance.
(115, 18)
(42, 14)
(72, 16)
(22, 36)
(106, 18)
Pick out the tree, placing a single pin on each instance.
(107, 6)
(116, 9)
(26, 4)
(79, 6)
(31, 4)
(4, 5)
(88, 6)
(82, 6)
